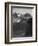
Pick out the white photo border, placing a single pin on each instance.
(34, 25)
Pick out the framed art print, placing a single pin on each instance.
(20, 22)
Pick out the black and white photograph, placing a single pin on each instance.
(21, 22)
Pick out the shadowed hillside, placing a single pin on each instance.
(21, 25)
